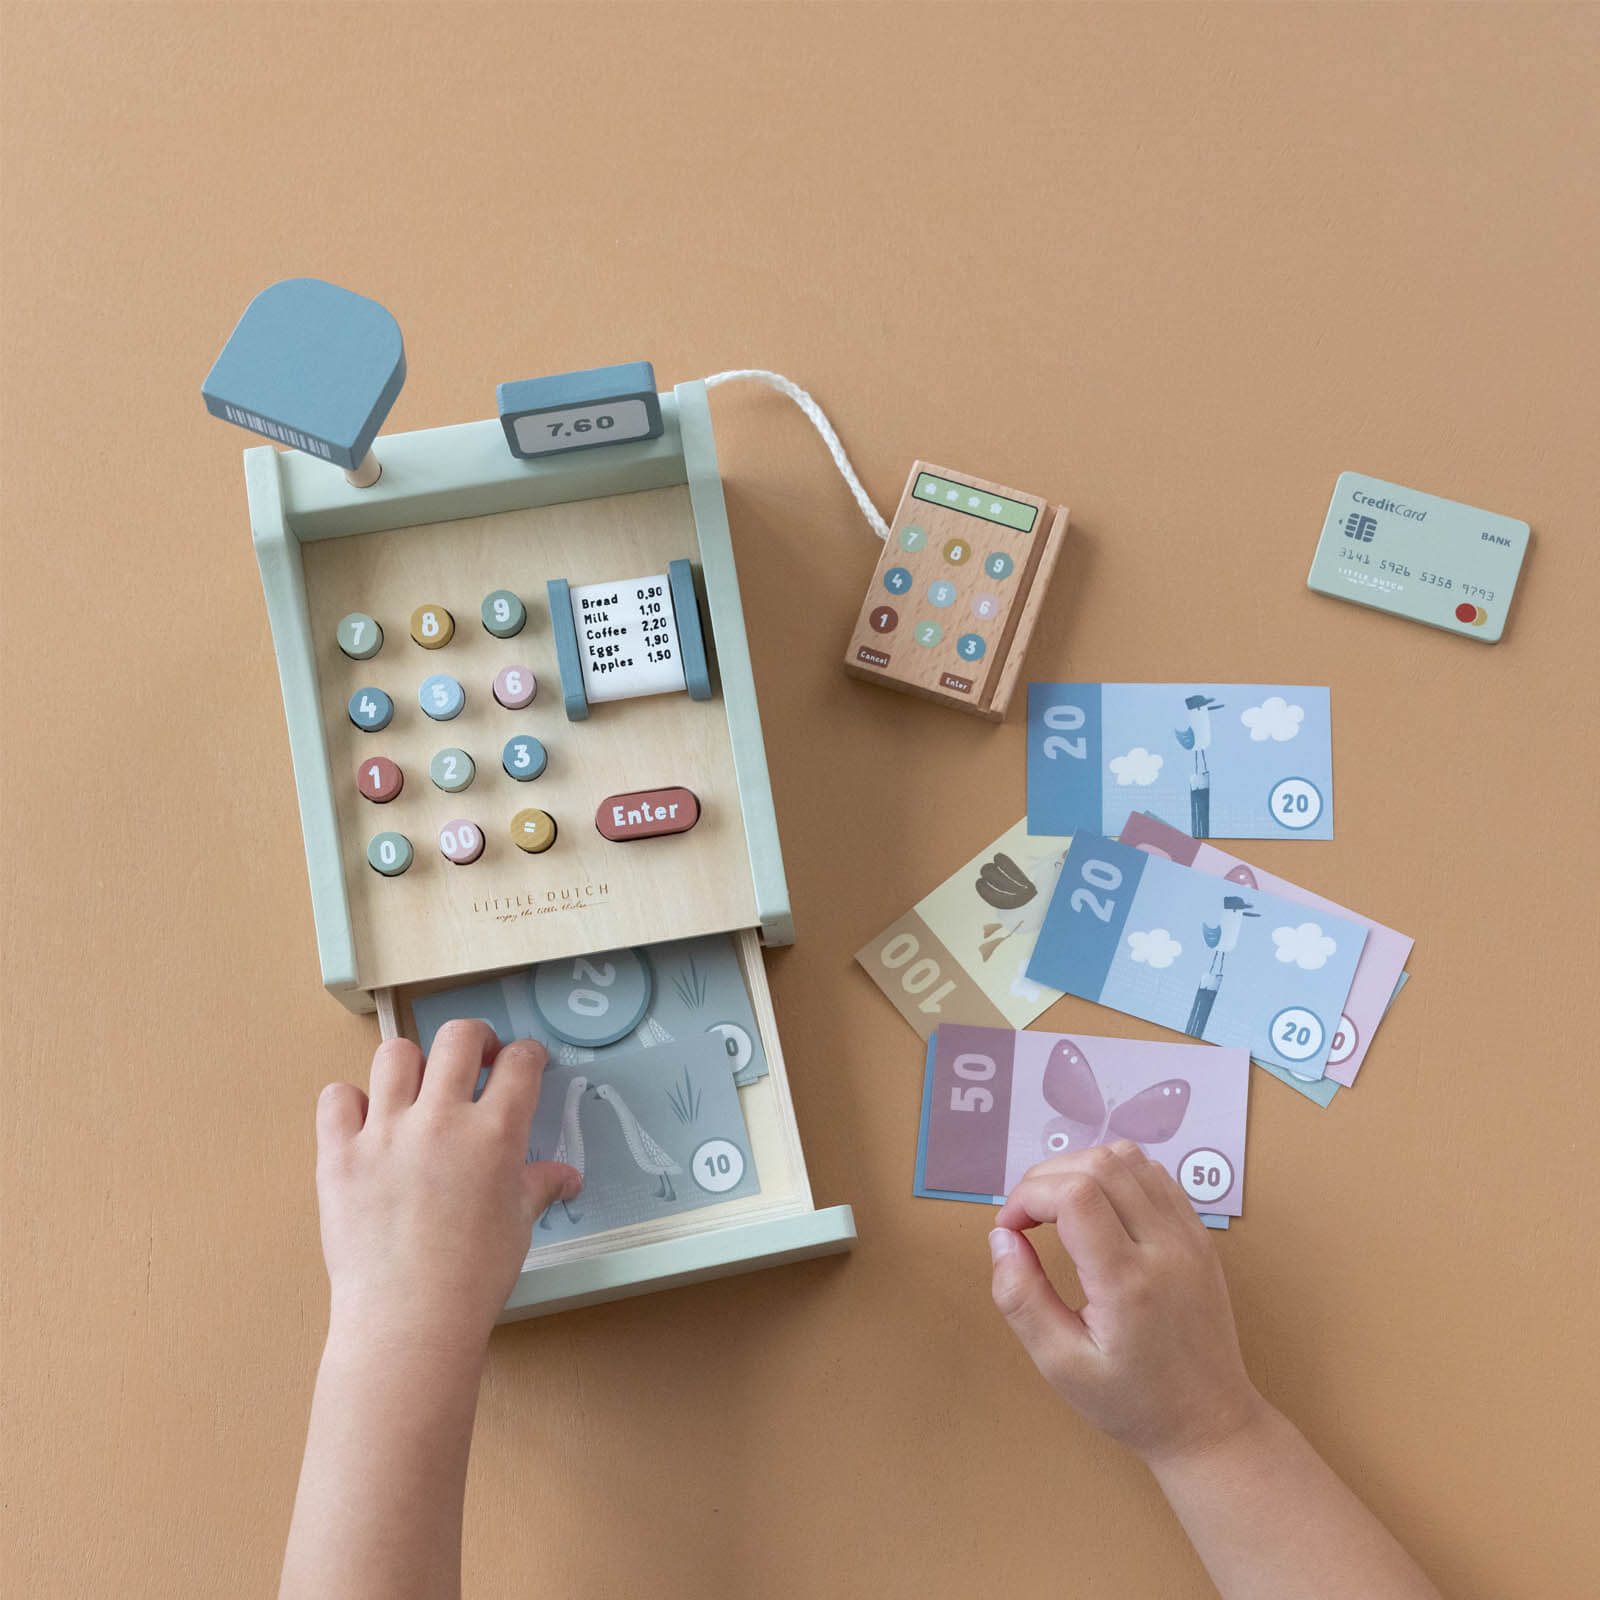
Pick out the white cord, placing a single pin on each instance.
(776, 380)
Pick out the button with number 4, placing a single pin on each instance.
(371, 709)
(524, 758)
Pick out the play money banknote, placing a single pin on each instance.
(654, 1132)
(961, 951)
(1240, 968)
(996, 1102)
(1383, 956)
(1218, 760)
(584, 1007)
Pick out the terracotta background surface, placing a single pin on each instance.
(1178, 267)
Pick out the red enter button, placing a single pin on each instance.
(647, 813)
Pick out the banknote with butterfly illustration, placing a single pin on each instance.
(997, 1101)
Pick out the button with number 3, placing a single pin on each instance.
(524, 758)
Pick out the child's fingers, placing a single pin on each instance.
(1112, 1167)
(514, 1079)
(341, 1110)
(1178, 1201)
(1084, 1217)
(1048, 1329)
(550, 1181)
(396, 1076)
(461, 1050)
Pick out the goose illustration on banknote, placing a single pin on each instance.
(569, 1147)
(648, 1156)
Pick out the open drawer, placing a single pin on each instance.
(776, 1224)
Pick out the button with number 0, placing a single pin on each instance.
(379, 779)
(441, 697)
(524, 758)
(451, 770)
(503, 614)
(371, 709)
(515, 687)
(390, 854)
(359, 636)
(461, 842)
(432, 627)
(533, 830)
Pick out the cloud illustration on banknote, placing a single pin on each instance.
(1274, 718)
(1306, 946)
(1139, 766)
(1157, 948)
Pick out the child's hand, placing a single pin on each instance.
(427, 1201)
(1152, 1357)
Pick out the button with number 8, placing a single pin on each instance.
(432, 627)
(503, 614)
(524, 758)
(390, 854)
(461, 842)
(371, 709)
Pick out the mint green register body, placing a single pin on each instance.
(465, 470)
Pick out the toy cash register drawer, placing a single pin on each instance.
(526, 742)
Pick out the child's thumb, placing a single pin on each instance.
(550, 1181)
(1046, 1327)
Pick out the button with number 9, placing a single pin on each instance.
(503, 614)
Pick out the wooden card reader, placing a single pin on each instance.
(957, 591)
(458, 801)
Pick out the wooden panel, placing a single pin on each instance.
(586, 893)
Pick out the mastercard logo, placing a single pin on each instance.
(1475, 615)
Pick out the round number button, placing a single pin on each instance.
(524, 758)
(461, 842)
(737, 1042)
(957, 551)
(390, 854)
(379, 779)
(897, 580)
(503, 614)
(371, 709)
(998, 565)
(884, 620)
(941, 594)
(913, 538)
(593, 1000)
(1297, 1034)
(984, 606)
(441, 697)
(515, 687)
(533, 830)
(1206, 1175)
(1295, 803)
(451, 770)
(432, 627)
(970, 647)
(717, 1166)
(359, 636)
(928, 634)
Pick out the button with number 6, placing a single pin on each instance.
(371, 709)
(515, 687)
(390, 854)
(461, 842)
(524, 758)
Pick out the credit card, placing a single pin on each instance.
(1435, 561)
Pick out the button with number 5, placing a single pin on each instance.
(441, 697)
